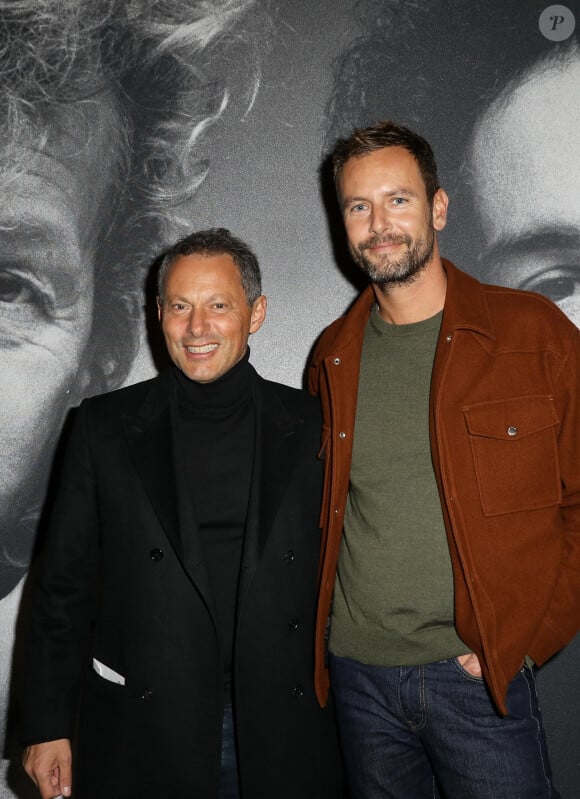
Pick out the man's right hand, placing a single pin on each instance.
(49, 766)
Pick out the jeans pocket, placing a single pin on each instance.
(463, 671)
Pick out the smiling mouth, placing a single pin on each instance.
(202, 349)
(377, 245)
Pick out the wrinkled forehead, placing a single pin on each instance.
(58, 164)
(525, 151)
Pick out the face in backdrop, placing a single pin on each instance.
(525, 160)
(389, 221)
(47, 278)
(205, 316)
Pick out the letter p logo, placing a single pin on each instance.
(557, 23)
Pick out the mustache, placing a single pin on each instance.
(376, 241)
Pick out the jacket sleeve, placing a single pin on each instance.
(562, 619)
(62, 600)
(313, 376)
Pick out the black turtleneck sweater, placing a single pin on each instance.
(215, 434)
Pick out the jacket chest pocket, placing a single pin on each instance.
(513, 444)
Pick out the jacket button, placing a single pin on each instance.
(156, 554)
(146, 695)
(336, 361)
(448, 338)
(512, 431)
(293, 625)
(288, 557)
(297, 692)
(342, 434)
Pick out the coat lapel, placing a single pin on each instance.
(151, 441)
(275, 456)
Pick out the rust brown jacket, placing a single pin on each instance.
(505, 442)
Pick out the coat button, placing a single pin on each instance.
(448, 338)
(293, 625)
(146, 695)
(342, 434)
(297, 692)
(336, 361)
(156, 554)
(288, 557)
(512, 430)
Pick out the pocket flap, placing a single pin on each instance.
(511, 419)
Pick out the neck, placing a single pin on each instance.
(413, 302)
(229, 389)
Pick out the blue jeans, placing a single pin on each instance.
(229, 784)
(432, 731)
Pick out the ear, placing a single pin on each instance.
(439, 210)
(258, 314)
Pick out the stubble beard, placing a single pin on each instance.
(395, 270)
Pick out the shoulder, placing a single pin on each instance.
(128, 398)
(347, 329)
(514, 318)
(504, 299)
(504, 296)
(295, 401)
(532, 314)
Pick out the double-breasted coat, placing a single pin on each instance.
(122, 585)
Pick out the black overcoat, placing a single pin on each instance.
(122, 580)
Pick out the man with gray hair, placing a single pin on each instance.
(171, 634)
(103, 109)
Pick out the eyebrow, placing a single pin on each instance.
(182, 298)
(33, 230)
(544, 239)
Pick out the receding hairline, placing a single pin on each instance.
(213, 242)
(206, 254)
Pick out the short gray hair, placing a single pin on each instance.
(216, 241)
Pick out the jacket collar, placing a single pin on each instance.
(149, 433)
(465, 303)
(276, 453)
(465, 308)
(149, 438)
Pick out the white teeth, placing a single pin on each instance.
(202, 349)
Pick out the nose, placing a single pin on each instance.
(197, 323)
(379, 221)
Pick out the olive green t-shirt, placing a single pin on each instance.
(393, 598)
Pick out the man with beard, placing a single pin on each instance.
(452, 503)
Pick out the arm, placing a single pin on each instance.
(62, 601)
(313, 374)
(49, 766)
(562, 619)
